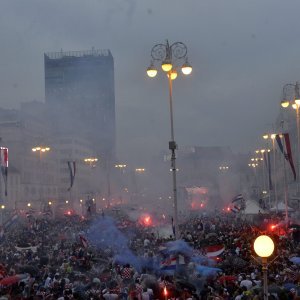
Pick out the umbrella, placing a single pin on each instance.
(227, 278)
(295, 260)
(32, 270)
(184, 284)
(274, 289)
(211, 234)
(12, 279)
(294, 226)
(288, 286)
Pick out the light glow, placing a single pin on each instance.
(166, 65)
(173, 74)
(263, 246)
(186, 69)
(285, 103)
(151, 71)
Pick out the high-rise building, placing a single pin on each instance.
(80, 98)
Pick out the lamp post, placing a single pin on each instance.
(41, 150)
(2, 212)
(171, 57)
(264, 247)
(122, 168)
(272, 137)
(291, 95)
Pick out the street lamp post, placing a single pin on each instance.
(264, 247)
(41, 150)
(2, 212)
(291, 95)
(171, 57)
(272, 137)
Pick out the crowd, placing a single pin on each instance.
(103, 259)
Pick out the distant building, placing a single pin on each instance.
(32, 177)
(38, 178)
(80, 97)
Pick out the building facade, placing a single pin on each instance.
(80, 98)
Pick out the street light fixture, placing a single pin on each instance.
(272, 137)
(264, 248)
(41, 150)
(91, 161)
(151, 71)
(171, 57)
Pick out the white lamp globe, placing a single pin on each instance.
(263, 246)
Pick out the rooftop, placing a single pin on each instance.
(84, 53)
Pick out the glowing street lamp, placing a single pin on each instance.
(171, 57)
(272, 137)
(41, 150)
(91, 161)
(264, 248)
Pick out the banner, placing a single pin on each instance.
(267, 159)
(4, 166)
(286, 151)
(72, 169)
(239, 197)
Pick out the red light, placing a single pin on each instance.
(165, 291)
(228, 208)
(272, 227)
(146, 220)
(201, 205)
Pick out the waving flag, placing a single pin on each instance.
(287, 152)
(239, 197)
(72, 169)
(267, 161)
(169, 264)
(235, 209)
(4, 166)
(213, 251)
(83, 241)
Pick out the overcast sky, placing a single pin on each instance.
(242, 53)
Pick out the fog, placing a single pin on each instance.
(242, 53)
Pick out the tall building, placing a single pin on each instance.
(80, 98)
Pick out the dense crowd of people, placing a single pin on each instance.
(111, 258)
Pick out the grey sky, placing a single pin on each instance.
(242, 53)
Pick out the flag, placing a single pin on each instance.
(173, 226)
(215, 250)
(235, 209)
(32, 248)
(239, 197)
(170, 263)
(267, 161)
(287, 152)
(72, 169)
(48, 213)
(30, 213)
(4, 166)
(83, 241)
